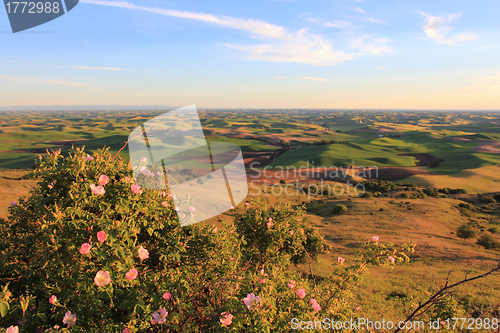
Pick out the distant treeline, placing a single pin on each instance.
(324, 142)
(379, 186)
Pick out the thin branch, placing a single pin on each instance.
(442, 293)
(140, 134)
(310, 265)
(434, 281)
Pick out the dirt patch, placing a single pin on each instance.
(273, 139)
(426, 160)
(488, 146)
(263, 158)
(274, 176)
(389, 173)
(380, 130)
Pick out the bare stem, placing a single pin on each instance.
(442, 293)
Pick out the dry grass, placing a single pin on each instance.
(12, 186)
(480, 180)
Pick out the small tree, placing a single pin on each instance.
(466, 231)
(488, 242)
(339, 209)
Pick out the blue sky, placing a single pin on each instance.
(258, 54)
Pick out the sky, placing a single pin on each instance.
(357, 54)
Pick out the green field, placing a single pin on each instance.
(363, 138)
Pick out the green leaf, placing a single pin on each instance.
(4, 307)
(42, 316)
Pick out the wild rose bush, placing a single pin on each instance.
(90, 251)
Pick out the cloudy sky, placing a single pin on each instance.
(258, 54)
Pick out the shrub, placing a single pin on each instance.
(488, 242)
(497, 197)
(493, 230)
(466, 231)
(117, 257)
(339, 209)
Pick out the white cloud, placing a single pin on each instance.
(486, 47)
(368, 44)
(37, 80)
(366, 19)
(360, 10)
(311, 19)
(382, 68)
(308, 78)
(376, 20)
(127, 93)
(488, 79)
(97, 68)
(435, 28)
(339, 24)
(281, 45)
(91, 68)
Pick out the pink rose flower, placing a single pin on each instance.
(270, 219)
(12, 329)
(315, 305)
(161, 317)
(251, 301)
(340, 260)
(102, 279)
(136, 189)
(302, 293)
(269, 224)
(191, 209)
(103, 180)
(69, 319)
(262, 280)
(165, 204)
(126, 330)
(167, 295)
(287, 225)
(99, 190)
(144, 160)
(227, 320)
(358, 308)
(101, 236)
(50, 186)
(88, 158)
(231, 208)
(85, 249)
(52, 299)
(292, 284)
(12, 203)
(392, 259)
(132, 274)
(143, 253)
(291, 232)
(374, 238)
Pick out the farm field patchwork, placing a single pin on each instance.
(436, 172)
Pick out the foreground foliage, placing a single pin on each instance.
(90, 251)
